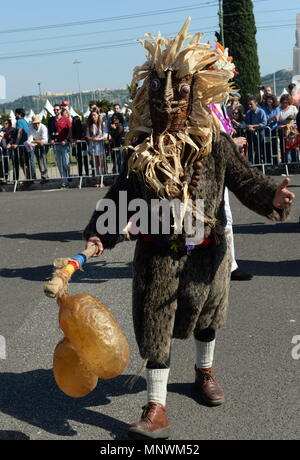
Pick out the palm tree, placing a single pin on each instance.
(104, 105)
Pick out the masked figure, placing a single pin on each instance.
(177, 151)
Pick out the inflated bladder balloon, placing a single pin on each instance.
(70, 374)
(95, 334)
(94, 345)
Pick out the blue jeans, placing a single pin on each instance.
(291, 156)
(62, 154)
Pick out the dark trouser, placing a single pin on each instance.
(281, 132)
(206, 335)
(20, 156)
(23, 158)
(16, 163)
(291, 156)
(41, 157)
(255, 147)
(81, 159)
(117, 157)
(4, 166)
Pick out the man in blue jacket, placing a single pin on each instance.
(24, 157)
(256, 121)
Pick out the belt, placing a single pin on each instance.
(174, 245)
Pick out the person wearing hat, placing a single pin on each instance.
(234, 105)
(36, 144)
(65, 104)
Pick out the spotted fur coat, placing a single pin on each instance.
(176, 294)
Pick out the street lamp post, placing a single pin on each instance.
(40, 95)
(221, 21)
(78, 78)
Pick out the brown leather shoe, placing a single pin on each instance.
(153, 424)
(210, 391)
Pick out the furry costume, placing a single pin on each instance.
(176, 293)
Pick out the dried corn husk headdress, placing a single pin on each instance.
(211, 70)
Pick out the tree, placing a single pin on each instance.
(104, 105)
(240, 38)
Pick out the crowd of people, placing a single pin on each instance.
(271, 126)
(68, 136)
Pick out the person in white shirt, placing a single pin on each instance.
(36, 144)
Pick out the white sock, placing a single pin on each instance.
(157, 381)
(204, 354)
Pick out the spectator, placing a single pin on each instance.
(268, 91)
(65, 105)
(52, 131)
(25, 159)
(288, 113)
(117, 113)
(60, 134)
(291, 89)
(287, 110)
(298, 121)
(116, 133)
(78, 146)
(37, 139)
(93, 106)
(238, 123)
(235, 104)
(65, 112)
(8, 138)
(256, 120)
(264, 92)
(272, 111)
(292, 143)
(96, 134)
(294, 92)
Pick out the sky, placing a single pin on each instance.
(108, 27)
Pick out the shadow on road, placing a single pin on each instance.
(187, 389)
(263, 268)
(34, 398)
(13, 436)
(62, 237)
(93, 271)
(262, 229)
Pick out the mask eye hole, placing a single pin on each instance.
(155, 84)
(184, 90)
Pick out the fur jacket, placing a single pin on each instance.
(175, 293)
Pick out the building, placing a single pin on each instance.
(296, 67)
(2, 87)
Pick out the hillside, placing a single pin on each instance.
(283, 79)
(121, 96)
(36, 103)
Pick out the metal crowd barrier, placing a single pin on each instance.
(4, 165)
(58, 161)
(267, 148)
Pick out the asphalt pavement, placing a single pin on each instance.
(255, 357)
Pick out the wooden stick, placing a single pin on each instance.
(58, 285)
